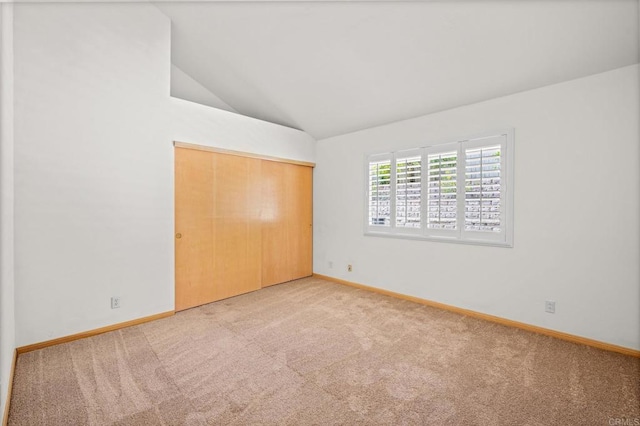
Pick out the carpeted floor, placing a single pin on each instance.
(314, 352)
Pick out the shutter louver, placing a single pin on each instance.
(380, 193)
(442, 190)
(408, 192)
(482, 203)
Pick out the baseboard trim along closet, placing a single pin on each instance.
(510, 323)
(5, 417)
(242, 154)
(113, 327)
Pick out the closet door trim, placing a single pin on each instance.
(186, 145)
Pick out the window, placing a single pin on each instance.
(380, 192)
(442, 189)
(459, 191)
(482, 194)
(408, 191)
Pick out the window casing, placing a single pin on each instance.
(460, 191)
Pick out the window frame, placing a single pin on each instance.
(504, 238)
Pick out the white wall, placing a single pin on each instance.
(195, 123)
(183, 86)
(7, 315)
(94, 126)
(577, 212)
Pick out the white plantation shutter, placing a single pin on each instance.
(482, 200)
(380, 193)
(442, 190)
(460, 191)
(487, 203)
(408, 191)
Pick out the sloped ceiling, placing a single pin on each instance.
(331, 68)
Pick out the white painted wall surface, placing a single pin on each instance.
(577, 197)
(94, 164)
(7, 313)
(200, 124)
(93, 167)
(183, 86)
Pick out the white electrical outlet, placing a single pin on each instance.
(349, 268)
(550, 306)
(115, 302)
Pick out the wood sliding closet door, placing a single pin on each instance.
(194, 228)
(237, 236)
(218, 226)
(242, 223)
(287, 222)
(301, 223)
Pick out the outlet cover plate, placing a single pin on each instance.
(115, 302)
(550, 306)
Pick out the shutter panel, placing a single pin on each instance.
(442, 201)
(483, 189)
(408, 192)
(380, 193)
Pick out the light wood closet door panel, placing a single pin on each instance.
(218, 217)
(300, 221)
(194, 227)
(275, 261)
(237, 236)
(287, 220)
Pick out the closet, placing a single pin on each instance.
(242, 222)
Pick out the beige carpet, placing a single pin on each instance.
(314, 352)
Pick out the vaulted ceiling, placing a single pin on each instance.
(331, 68)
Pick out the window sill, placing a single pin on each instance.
(438, 239)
